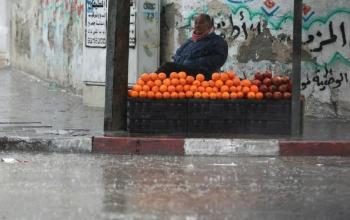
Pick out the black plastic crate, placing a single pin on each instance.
(157, 116)
(239, 116)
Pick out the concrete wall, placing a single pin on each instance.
(47, 39)
(259, 34)
(4, 33)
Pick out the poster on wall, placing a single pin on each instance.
(96, 23)
(132, 30)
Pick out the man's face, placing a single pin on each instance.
(201, 25)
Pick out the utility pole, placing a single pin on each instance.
(296, 71)
(117, 59)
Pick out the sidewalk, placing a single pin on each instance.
(38, 116)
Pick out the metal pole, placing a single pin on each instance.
(117, 65)
(296, 72)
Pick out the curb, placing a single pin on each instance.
(218, 147)
(61, 144)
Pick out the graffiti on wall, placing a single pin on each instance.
(325, 77)
(61, 11)
(328, 37)
(96, 23)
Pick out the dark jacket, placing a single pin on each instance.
(206, 55)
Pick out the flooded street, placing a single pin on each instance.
(84, 186)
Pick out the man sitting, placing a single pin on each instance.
(205, 52)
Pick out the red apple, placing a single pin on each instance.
(268, 95)
(276, 80)
(285, 79)
(263, 89)
(283, 88)
(259, 76)
(256, 82)
(287, 95)
(268, 74)
(277, 95)
(272, 88)
(267, 82)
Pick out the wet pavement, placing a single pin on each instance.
(71, 186)
(36, 108)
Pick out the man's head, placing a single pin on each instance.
(202, 24)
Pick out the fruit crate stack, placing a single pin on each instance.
(181, 104)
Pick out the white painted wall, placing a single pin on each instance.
(4, 34)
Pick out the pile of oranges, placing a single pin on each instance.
(225, 85)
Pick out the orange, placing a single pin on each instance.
(158, 95)
(236, 81)
(142, 94)
(239, 88)
(219, 83)
(196, 83)
(189, 79)
(145, 77)
(233, 95)
(224, 88)
(193, 88)
(182, 75)
(179, 88)
(251, 95)
(182, 81)
(129, 92)
(233, 89)
(187, 88)
(215, 89)
(246, 82)
(166, 95)
(219, 95)
(224, 77)
(205, 95)
(231, 74)
(215, 76)
(155, 89)
(150, 83)
(212, 95)
(158, 82)
(163, 88)
(229, 83)
(146, 88)
(174, 75)
(182, 95)
(161, 76)
(137, 88)
(167, 82)
(201, 89)
(174, 81)
(153, 76)
(150, 94)
(189, 94)
(245, 89)
(211, 83)
(259, 95)
(254, 88)
(197, 95)
(174, 95)
(205, 84)
(171, 88)
(200, 77)
(209, 89)
(225, 95)
(240, 95)
(140, 82)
